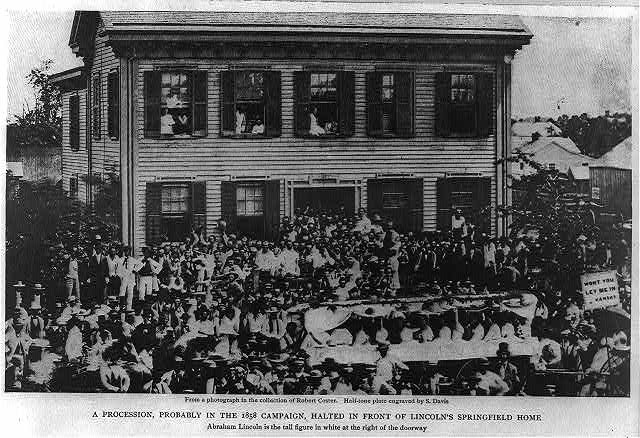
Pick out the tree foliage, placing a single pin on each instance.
(595, 136)
(42, 124)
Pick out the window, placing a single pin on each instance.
(113, 110)
(175, 103)
(173, 208)
(249, 200)
(251, 103)
(174, 199)
(73, 187)
(390, 104)
(463, 104)
(324, 103)
(74, 122)
(95, 107)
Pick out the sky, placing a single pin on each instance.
(571, 66)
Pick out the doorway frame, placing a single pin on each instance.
(324, 181)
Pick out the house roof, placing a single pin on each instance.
(16, 169)
(526, 129)
(579, 172)
(72, 79)
(561, 142)
(154, 24)
(621, 156)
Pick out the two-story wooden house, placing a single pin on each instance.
(247, 117)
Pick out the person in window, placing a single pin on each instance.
(314, 126)
(241, 120)
(166, 122)
(258, 128)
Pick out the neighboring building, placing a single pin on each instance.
(523, 132)
(248, 117)
(40, 164)
(580, 177)
(611, 177)
(15, 175)
(558, 153)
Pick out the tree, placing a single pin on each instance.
(42, 124)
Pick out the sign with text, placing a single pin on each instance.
(600, 290)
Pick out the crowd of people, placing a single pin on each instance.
(226, 313)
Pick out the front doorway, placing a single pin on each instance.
(398, 200)
(329, 200)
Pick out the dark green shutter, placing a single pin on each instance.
(154, 212)
(443, 204)
(152, 89)
(443, 101)
(113, 97)
(271, 209)
(416, 197)
(484, 92)
(374, 104)
(198, 207)
(200, 103)
(374, 196)
(273, 111)
(228, 204)
(404, 103)
(228, 125)
(302, 92)
(346, 111)
(74, 122)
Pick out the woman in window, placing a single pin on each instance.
(314, 127)
(241, 120)
(166, 122)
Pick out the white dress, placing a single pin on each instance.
(314, 128)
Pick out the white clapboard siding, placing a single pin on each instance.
(74, 162)
(287, 157)
(105, 152)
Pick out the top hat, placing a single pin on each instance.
(503, 349)
(38, 287)
(19, 285)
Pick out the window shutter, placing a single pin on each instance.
(302, 90)
(198, 207)
(416, 197)
(443, 99)
(113, 96)
(271, 209)
(96, 107)
(484, 90)
(404, 103)
(443, 204)
(74, 122)
(154, 212)
(152, 87)
(346, 111)
(374, 196)
(228, 204)
(273, 111)
(374, 104)
(227, 79)
(200, 103)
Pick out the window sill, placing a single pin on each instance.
(175, 137)
(324, 137)
(247, 136)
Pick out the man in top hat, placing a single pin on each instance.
(112, 261)
(507, 370)
(98, 271)
(36, 322)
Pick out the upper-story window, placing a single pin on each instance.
(175, 103)
(74, 122)
(96, 113)
(464, 104)
(251, 103)
(390, 103)
(324, 103)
